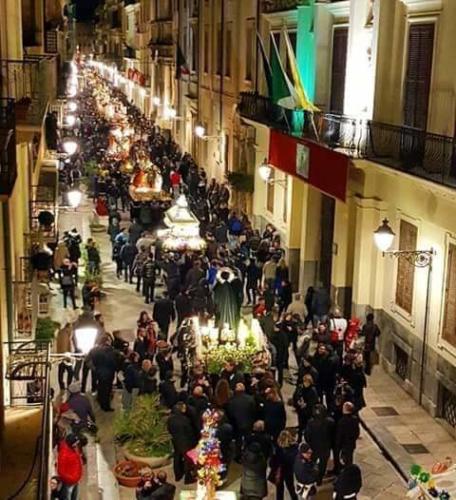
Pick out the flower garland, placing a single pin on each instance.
(209, 456)
(423, 480)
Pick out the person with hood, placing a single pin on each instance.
(320, 436)
(184, 439)
(70, 466)
(282, 464)
(348, 483)
(254, 466)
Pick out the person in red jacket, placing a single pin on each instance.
(69, 466)
(176, 179)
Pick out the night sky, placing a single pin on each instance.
(85, 9)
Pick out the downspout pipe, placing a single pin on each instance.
(8, 269)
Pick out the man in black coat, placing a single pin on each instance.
(326, 366)
(347, 433)
(105, 363)
(128, 253)
(183, 306)
(260, 436)
(184, 439)
(163, 314)
(242, 412)
(320, 436)
(199, 401)
(168, 391)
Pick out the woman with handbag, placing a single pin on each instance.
(282, 465)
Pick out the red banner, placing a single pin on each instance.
(310, 162)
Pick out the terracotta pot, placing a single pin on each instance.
(128, 481)
(152, 462)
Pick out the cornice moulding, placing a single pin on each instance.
(417, 6)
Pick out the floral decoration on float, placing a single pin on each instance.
(439, 483)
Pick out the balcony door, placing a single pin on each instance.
(338, 69)
(418, 74)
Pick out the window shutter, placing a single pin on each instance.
(449, 318)
(405, 269)
(339, 64)
(418, 75)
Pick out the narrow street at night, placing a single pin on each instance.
(227, 250)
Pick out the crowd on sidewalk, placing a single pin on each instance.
(241, 270)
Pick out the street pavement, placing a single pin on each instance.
(120, 308)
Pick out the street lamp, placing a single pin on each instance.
(70, 120)
(85, 331)
(169, 113)
(69, 146)
(200, 131)
(156, 101)
(264, 171)
(383, 237)
(74, 196)
(72, 106)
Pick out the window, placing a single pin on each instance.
(249, 48)
(405, 269)
(418, 75)
(194, 47)
(449, 317)
(206, 48)
(270, 193)
(228, 49)
(218, 50)
(339, 64)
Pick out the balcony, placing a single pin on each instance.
(32, 82)
(8, 166)
(406, 149)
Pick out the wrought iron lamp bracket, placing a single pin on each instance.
(419, 258)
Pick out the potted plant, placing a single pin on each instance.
(127, 473)
(142, 432)
(46, 328)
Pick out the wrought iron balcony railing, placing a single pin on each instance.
(32, 83)
(8, 166)
(413, 151)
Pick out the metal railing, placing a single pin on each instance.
(29, 367)
(32, 82)
(8, 166)
(417, 152)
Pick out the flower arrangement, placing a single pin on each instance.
(217, 357)
(209, 456)
(421, 480)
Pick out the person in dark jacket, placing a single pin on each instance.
(147, 378)
(285, 295)
(67, 283)
(184, 439)
(199, 401)
(347, 433)
(164, 360)
(308, 300)
(305, 398)
(259, 435)
(168, 392)
(348, 483)
(131, 379)
(253, 481)
(105, 362)
(80, 404)
(280, 340)
(305, 471)
(128, 253)
(253, 275)
(320, 436)
(148, 276)
(370, 331)
(164, 490)
(183, 306)
(242, 412)
(321, 304)
(135, 230)
(274, 413)
(282, 464)
(194, 275)
(163, 314)
(326, 367)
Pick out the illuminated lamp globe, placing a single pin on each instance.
(170, 113)
(70, 120)
(70, 147)
(384, 236)
(72, 106)
(85, 332)
(74, 197)
(264, 170)
(200, 131)
(156, 101)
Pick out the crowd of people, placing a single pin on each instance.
(240, 266)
